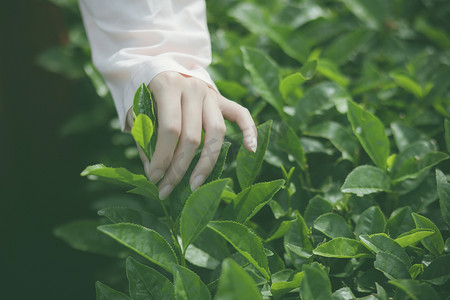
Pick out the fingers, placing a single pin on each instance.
(169, 130)
(214, 127)
(190, 138)
(240, 115)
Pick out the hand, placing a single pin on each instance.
(185, 105)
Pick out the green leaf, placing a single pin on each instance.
(338, 136)
(143, 103)
(264, 75)
(188, 286)
(245, 242)
(250, 200)
(142, 132)
(104, 292)
(235, 283)
(438, 271)
(139, 217)
(415, 166)
(408, 83)
(370, 132)
(443, 188)
(299, 251)
(400, 221)
(392, 266)
(434, 243)
(316, 207)
(308, 70)
(404, 135)
(413, 236)
(319, 98)
(290, 84)
(287, 141)
(371, 221)
(147, 283)
(331, 71)
(373, 13)
(280, 288)
(83, 235)
(342, 248)
(248, 163)
(146, 242)
(416, 290)
(365, 180)
(447, 134)
(122, 175)
(344, 293)
(297, 243)
(382, 243)
(315, 284)
(281, 230)
(199, 210)
(415, 270)
(333, 225)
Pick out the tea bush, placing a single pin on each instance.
(347, 195)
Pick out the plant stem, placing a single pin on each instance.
(174, 232)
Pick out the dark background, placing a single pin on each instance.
(40, 186)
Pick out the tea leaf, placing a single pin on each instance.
(447, 134)
(414, 166)
(146, 242)
(104, 292)
(316, 207)
(142, 132)
(413, 236)
(392, 266)
(438, 271)
(315, 284)
(143, 103)
(382, 243)
(372, 13)
(371, 221)
(370, 132)
(333, 225)
(342, 248)
(443, 188)
(434, 243)
(188, 286)
(235, 283)
(147, 283)
(245, 242)
(365, 180)
(280, 288)
(199, 210)
(248, 163)
(250, 200)
(416, 290)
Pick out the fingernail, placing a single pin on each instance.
(156, 175)
(165, 191)
(197, 182)
(254, 144)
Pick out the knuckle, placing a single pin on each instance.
(192, 141)
(171, 129)
(219, 128)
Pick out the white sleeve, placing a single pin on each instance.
(134, 40)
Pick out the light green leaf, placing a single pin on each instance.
(146, 242)
(382, 243)
(83, 235)
(188, 286)
(280, 288)
(264, 75)
(248, 163)
(434, 243)
(281, 230)
(235, 283)
(199, 210)
(104, 292)
(250, 200)
(333, 225)
(147, 283)
(415, 270)
(413, 236)
(122, 175)
(438, 271)
(315, 284)
(338, 136)
(142, 132)
(290, 84)
(408, 83)
(371, 221)
(331, 71)
(342, 248)
(392, 266)
(443, 188)
(365, 180)
(245, 242)
(416, 290)
(370, 132)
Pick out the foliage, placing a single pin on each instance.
(348, 194)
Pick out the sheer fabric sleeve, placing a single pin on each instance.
(132, 41)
